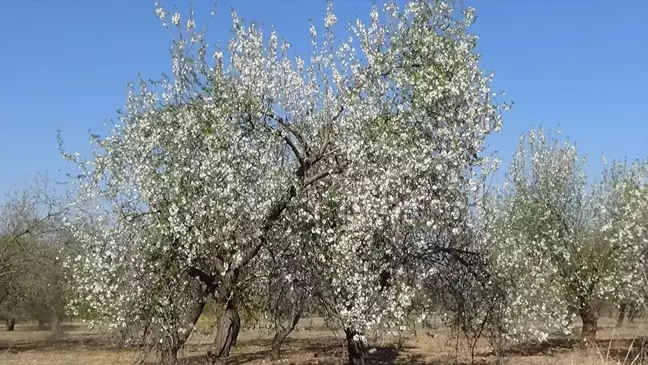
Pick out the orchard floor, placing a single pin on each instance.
(314, 344)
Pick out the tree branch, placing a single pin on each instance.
(210, 281)
(292, 131)
(315, 178)
(294, 149)
(327, 136)
(272, 216)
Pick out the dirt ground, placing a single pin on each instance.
(314, 344)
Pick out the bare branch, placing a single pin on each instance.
(292, 131)
(323, 174)
(327, 135)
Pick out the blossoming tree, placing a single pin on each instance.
(624, 224)
(563, 245)
(33, 242)
(358, 157)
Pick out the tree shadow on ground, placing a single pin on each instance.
(624, 350)
(55, 342)
(619, 349)
(535, 348)
(66, 327)
(329, 356)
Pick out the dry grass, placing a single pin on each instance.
(313, 344)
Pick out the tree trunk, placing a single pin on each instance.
(355, 347)
(621, 316)
(169, 354)
(11, 324)
(227, 329)
(281, 335)
(632, 312)
(55, 326)
(42, 325)
(401, 340)
(589, 313)
(170, 349)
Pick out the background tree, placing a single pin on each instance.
(624, 223)
(550, 232)
(33, 243)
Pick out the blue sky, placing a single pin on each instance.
(64, 64)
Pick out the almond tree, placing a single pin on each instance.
(360, 157)
(624, 223)
(32, 244)
(558, 240)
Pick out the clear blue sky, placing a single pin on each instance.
(64, 64)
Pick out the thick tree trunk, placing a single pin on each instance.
(11, 324)
(589, 313)
(281, 335)
(228, 324)
(355, 347)
(622, 312)
(227, 329)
